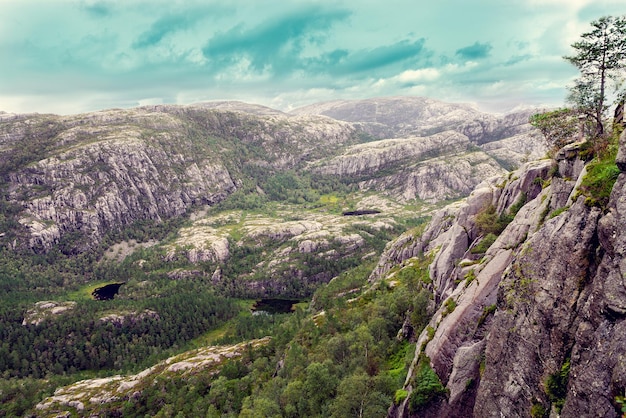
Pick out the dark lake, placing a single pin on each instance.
(361, 212)
(274, 306)
(107, 292)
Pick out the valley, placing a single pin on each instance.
(397, 224)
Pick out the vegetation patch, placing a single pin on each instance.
(488, 310)
(484, 244)
(557, 212)
(400, 396)
(428, 388)
(598, 183)
(556, 386)
(469, 277)
(450, 305)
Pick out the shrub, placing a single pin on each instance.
(557, 212)
(400, 396)
(556, 386)
(598, 183)
(602, 173)
(559, 127)
(484, 244)
(538, 411)
(450, 307)
(428, 387)
(489, 222)
(469, 277)
(488, 310)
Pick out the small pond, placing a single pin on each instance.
(107, 292)
(361, 212)
(274, 306)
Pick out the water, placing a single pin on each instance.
(107, 292)
(274, 306)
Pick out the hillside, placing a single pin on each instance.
(527, 268)
(191, 212)
(88, 174)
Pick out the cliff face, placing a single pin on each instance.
(434, 168)
(537, 324)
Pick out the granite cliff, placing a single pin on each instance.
(530, 323)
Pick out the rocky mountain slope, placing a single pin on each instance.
(524, 279)
(75, 178)
(526, 276)
(529, 323)
(91, 173)
(401, 117)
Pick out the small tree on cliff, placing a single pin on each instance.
(559, 127)
(600, 56)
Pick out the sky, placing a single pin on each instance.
(74, 56)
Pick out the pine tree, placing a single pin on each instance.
(600, 55)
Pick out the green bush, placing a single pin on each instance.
(488, 310)
(450, 307)
(602, 172)
(400, 396)
(559, 127)
(469, 277)
(538, 411)
(557, 212)
(484, 244)
(556, 386)
(428, 387)
(598, 183)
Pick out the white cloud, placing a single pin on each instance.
(417, 76)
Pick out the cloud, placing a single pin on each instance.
(275, 45)
(475, 51)
(372, 59)
(411, 77)
(164, 26)
(517, 59)
(97, 8)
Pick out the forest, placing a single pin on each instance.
(337, 354)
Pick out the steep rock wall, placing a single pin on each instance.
(547, 297)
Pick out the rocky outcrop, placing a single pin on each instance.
(82, 176)
(434, 168)
(77, 177)
(536, 326)
(532, 277)
(86, 397)
(45, 310)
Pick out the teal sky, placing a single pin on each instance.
(72, 56)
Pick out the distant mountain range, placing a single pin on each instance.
(88, 173)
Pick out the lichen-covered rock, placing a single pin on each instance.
(44, 310)
(537, 305)
(85, 175)
(433, 168)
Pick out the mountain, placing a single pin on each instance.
(529, 324)
(402, 302)
(400, 117)
(524, 312)
(84, 175)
